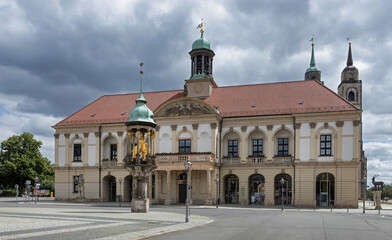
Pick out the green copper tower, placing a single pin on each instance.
(313, 72)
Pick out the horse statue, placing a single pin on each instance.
(377, 185)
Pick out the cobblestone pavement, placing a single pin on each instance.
(42, 221)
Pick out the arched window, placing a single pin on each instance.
(351, 96)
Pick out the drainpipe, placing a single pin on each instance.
(293, 162)
(100, 165)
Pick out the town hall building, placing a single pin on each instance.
(298, 143)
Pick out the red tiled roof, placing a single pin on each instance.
(232, 101)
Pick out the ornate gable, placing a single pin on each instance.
(184, 107)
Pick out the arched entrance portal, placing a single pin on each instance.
(109, 188)
(231, 189)
(128, 180)
(257, 188)
(283, 192)
(325, 189)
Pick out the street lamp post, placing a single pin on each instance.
(282, 183)
(36, 179)
(120, 200)
(217, 191)
(188, 167)
(363, 193)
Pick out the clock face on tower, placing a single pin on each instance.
(198, 88)
(351, 73)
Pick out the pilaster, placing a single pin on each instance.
(243, 145)
(356, 147)
(168, 188)
(97, 148)
(270, 143)
(85, 149)
(157, 177)
(56, 149)
(67, 151)
(120, 148)
(156, 140)
(339, 141)
(195, 139)
(213, 138)
(297, 142)
(174, 139)
(313, 141)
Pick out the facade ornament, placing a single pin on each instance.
(174, 127)
(85, 135)
(213, 125)
(185, 108)
(243, 129)
(297, 125)
(312, 125)
(339, 123)
(325, 124)
(269, 127)
(56, 135)
(184, 128)
(120, 133)
(356, 122)
(195, 126)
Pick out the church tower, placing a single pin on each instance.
(350, 87)
(201, 81)
(313, 72)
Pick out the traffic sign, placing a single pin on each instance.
(37, 186)
(28, 182)
(16, 186)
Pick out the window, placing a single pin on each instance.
(325, 145)
(351, 96)
(75, 183)
(184, 146)
(77, 152)
(233, 148)
(113, 151)
(283, 147)
(257, 147)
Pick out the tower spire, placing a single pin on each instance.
(312, 60)
(349, 57)
(313, 72)
(141, 97)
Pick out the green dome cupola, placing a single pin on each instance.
(201, 43)
(313, 72)
(201, 56)
(141, 114)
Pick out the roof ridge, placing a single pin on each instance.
(270, 83)
(118, 94)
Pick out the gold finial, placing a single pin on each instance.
(348, 39)
(141, 68)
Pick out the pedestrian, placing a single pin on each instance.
(257, 198)
(252, 199)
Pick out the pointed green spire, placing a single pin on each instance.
(312, 67)
(141, 113)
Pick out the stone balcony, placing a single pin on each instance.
(255, 160)
(109, 163)
(278, 159)
(181, 157)
(227, 160)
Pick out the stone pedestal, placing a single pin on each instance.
(140, 205)
(377, 199)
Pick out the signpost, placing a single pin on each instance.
(36, 188)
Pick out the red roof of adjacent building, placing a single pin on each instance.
(232, 101)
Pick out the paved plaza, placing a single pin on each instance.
(50, 219)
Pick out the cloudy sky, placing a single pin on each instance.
(58, 56)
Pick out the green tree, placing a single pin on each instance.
(387, 191)
(21, 160)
